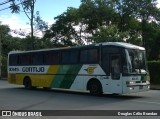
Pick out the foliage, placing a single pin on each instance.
(152, 32)
(10, 43)
(154, 69)
(39, 23)
(38, 43)
(62, 32)
(109, 33)
(95, 18)
(28, 8)
(4, 67)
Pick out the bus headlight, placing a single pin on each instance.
(147, 82)
(129, 82)
(131, 88)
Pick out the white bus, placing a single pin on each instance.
(109, 67)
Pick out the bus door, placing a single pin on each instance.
(115, 69)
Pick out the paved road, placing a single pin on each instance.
(13, 97)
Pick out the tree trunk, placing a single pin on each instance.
(32, 17)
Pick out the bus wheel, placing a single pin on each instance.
(95, 87)
(27, 83)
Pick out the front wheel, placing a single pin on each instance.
(95, 88)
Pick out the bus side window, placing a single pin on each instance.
(115, 66)
(13, 60)
(65, 57)
(51, 58)
(74, 55)
(83, 56)
(89, 56)
(55, 58)
(70, 57)
(37, 59)
(93, 55)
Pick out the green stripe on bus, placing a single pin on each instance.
(69, 79)
(66, 76)
(59, 78)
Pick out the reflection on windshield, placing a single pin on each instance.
(136, 61)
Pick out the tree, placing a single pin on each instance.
(152, 32)
(40, 24)
(109, 33)
(108, 20)
(63, 32)
(28, 9)
(77, 26)
(95, 14)
(3, 33)
(147, 12)
(8, 43)
(144, 10)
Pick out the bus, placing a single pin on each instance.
(109, 67)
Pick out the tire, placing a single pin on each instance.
(27, 83)
(95, 87)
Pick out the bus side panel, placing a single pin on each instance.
(41, 80)
(12, 78)
(87, 72)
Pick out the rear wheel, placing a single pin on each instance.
(27, 83)
(95, 87)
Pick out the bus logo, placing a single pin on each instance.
(90, 70)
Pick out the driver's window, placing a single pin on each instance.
(115, 66)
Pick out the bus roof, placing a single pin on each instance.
(121, 44)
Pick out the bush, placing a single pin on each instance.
(154, 70)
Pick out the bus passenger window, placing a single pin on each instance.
(51, 58)
(13, 60)
(89, 56)
(65, 57)
(37, 59)
(115, 67)
(74, 57)
(83, 56)
(92, 55)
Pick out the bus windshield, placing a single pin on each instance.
(136, 61)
